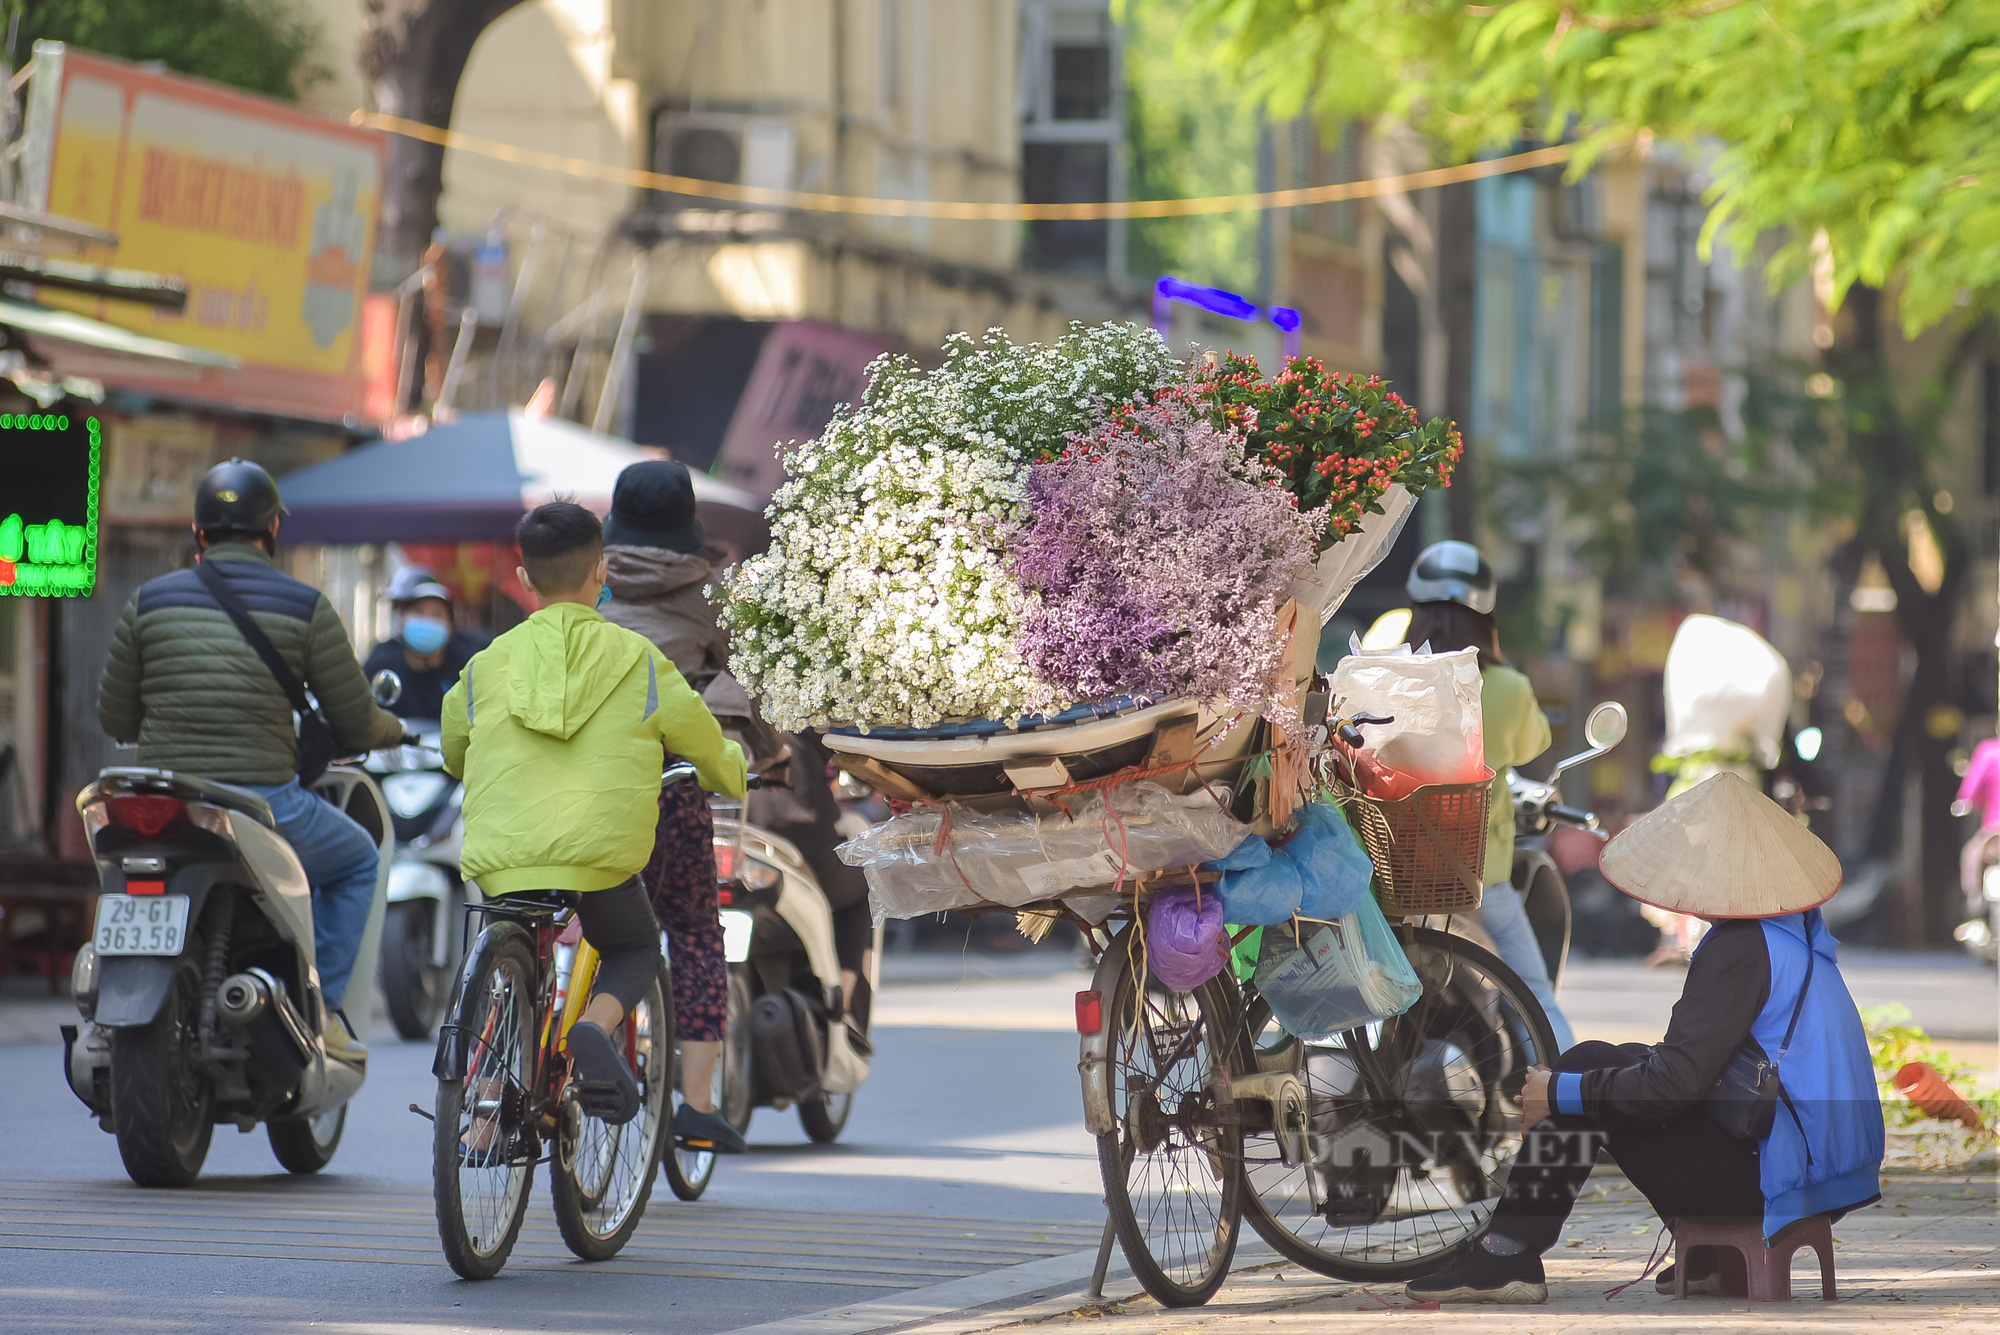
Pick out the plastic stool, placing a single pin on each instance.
(1769, 1268)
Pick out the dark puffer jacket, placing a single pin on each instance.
(183, 683)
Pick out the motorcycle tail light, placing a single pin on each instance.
(145, 887)
(1089, 1012)
(146, 815)
(725, 861)
(725, 896)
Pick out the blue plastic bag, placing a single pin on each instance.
(1334, 870)
(1185, 945)
(1260, 885)
(1335, 976)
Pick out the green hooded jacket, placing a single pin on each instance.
(560, 729)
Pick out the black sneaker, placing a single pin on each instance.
(1483, 1276)
(707, 1131)
(606, 1087)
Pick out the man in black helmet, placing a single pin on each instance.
(184, 683)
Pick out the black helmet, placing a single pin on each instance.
(237, 496)
(1452, 572)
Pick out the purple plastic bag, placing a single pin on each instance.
(1185, 946)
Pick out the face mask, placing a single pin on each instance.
(603, 595)
(424, 635)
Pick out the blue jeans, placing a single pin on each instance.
(1506, 921)
(340, 862)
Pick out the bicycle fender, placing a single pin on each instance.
(1094, 1061)
(449, 1064)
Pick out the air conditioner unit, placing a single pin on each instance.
(732, 150)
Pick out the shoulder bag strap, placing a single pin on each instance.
(1798, 1009)
(288, 682)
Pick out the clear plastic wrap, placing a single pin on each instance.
(1012, 858)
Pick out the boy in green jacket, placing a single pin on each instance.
(560, 729)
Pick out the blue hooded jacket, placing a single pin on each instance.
(1824, 1150)
(1830, 1157)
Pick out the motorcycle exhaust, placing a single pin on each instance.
(241, 998)
(786, 1047)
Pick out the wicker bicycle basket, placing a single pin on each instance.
(1429, 848)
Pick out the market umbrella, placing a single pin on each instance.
(471, 480)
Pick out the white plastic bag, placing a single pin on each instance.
(1437, 736)
(1014, 858)
(1727, 690)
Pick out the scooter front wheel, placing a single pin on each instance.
(306, 1144)
(414, 987)
(825, 1116)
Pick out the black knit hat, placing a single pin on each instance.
(652, 505)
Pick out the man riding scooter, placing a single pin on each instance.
(428, 650)
(189, 687)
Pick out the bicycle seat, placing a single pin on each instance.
(534, 901)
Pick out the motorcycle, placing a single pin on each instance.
(423, 934)
(1538, 808)
(1980, 877)
(199, 982)
(792, 1038)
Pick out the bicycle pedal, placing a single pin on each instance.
(696, 1144)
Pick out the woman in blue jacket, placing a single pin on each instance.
(1764, 979)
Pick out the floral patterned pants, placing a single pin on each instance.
(680, 878)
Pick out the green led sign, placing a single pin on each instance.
(48, 503)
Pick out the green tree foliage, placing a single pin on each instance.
(1875, 125)
(1185, 136)
(263, 46)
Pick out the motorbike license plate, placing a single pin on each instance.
(736, 929)
(141, 924)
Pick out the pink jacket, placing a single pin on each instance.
(1981, 785)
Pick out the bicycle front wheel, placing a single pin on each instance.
(484, 1153)
(1414, 1122)
(602, 1175)
(1172, 1163)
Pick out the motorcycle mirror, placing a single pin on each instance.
(386, 687)
(1605, 727)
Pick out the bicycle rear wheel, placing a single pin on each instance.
(1172, 1163)
(602, 1176)
(1415, 1122)
(484, 1152)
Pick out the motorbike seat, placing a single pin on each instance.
(189, 786)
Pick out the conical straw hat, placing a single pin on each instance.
(1723, 850)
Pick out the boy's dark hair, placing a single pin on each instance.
(560, 542)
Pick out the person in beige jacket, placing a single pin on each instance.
(656, 571)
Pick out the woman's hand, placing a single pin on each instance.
(1535, 1098)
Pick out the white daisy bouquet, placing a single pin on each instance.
(884, 598)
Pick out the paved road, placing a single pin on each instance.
(965, 1158)
(966, 1153)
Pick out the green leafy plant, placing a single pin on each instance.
(1893, 1043)
(265, 46)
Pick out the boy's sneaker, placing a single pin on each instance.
(1483, 1275)
(606, 1087)
(707, 1131)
